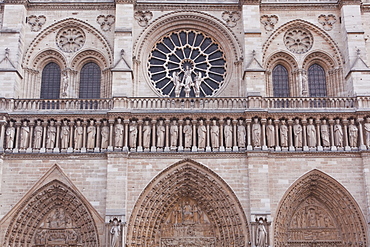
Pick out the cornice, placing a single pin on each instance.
(298, 6)
(190, 7)
(71, 6)
(54, 156)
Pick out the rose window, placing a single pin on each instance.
(70, 39)
(298, 40)
(187, 64)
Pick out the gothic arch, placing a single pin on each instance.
(187, 184)
(52, 210)
(321, 208)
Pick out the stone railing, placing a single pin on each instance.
(183, 104)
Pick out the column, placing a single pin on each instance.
(98, 134)
(277, 139)
(167, 136)
(318, 132)
(248, 123)
(194, 147)
(56, 148)
(17, 137)
(140, 146)
(125, 142)
(235, 140)
(153, 148)
(333, 147)
(304, 130)
(181, 147)
(361, 134)
(29, 149)
(110, 147)
(83, 148)
(290, 135)
(222, 147)
(263, 143)
(345, 135)
(2, 134)
(208, 143)
(70, 148)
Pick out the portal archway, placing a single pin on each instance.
(187, 205)
(319, 211)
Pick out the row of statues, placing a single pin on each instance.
(188, 134)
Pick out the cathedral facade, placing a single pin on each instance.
(184, 123)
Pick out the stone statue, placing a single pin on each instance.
(261, 234)
(241, 134)
(115, 232)
(283, 134)
(78, 135)
(188, 134)
(146, 134)
(187, 81)
(25, 135)
(228, 133)
(161, 130)
(64, 135)
(311, 134)
(367, 131)
(65, 84)
(270, 133)
(215, 134)
(256, 133)
(37, 135)
(118, 133)
(104, 135)
(133, 134)
(197, 82)
(176, 83)
(297, 131)
(174, 131)
(50, 135)
(353, 133)
(202, 130)
(91, 133)
(325, 134)
(338, 133)
(10, 135)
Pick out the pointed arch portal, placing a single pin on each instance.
(187, 205)
(318, 211)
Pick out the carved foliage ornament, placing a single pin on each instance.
(231, 17)
(36, 22)
(269, 21)
(298, 40)
(105, 21)
(327, 21)
(143, 17)
(70, 39)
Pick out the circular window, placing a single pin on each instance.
(298, 40)
(187, 64)
(70, 39)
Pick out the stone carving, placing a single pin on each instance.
(115, 233)
(50, 135)
(174, 133)
(118, 134)
(64, 135)
(65, 84)
(161, 130)
(215, 134)
(146, 134)
(367, 131)
(283, 134)
(133, 134)
(188, 134)
(104, 135)
(143, 17)
(261, 233)
(105, 21)
(70, 39)
(338, 133)
(298, 40)
(37, 135)
(327, 21)
(177, 82)
(353, 133)
(269, 21)
(270, 134)
(311, 134)
(78, 135)
(25, 135)
(231, 17)
(187, 81)
(91, 133)
(256, 133)
(36, 22)
(241, 134)
(228, 134)
(197, 83)
(325, 133)
(202, 131)
(297, 131)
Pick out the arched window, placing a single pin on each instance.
(50, 81)
(280, 81)
(90, 81)
(316, 81)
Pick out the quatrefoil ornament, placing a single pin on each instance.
(327, 21)
(105, 22)
(269, 21)
(231, 17)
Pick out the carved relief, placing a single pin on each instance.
(143, 17)
(36, 22)
(231, 17)
(327, 21)
(105, 21)
(70, 39)
(269, 21)
(298, 40)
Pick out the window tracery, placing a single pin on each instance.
(298, 40)
(71, 39)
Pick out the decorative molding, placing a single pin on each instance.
(187, 7)
(269, 21)
(70, 6)
(6, 63)
(36, 22)
(105, 22)
(143, 17)
(327, 21)
(231, 17)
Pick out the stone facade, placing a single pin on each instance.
(172, 123)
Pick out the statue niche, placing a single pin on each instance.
(57, 229)
(187, 225)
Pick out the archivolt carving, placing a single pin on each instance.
(283, 58)
(52, 213)
(50, 55)
(187, 204)
(325, 60)
(96, 56)
(317, 209)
